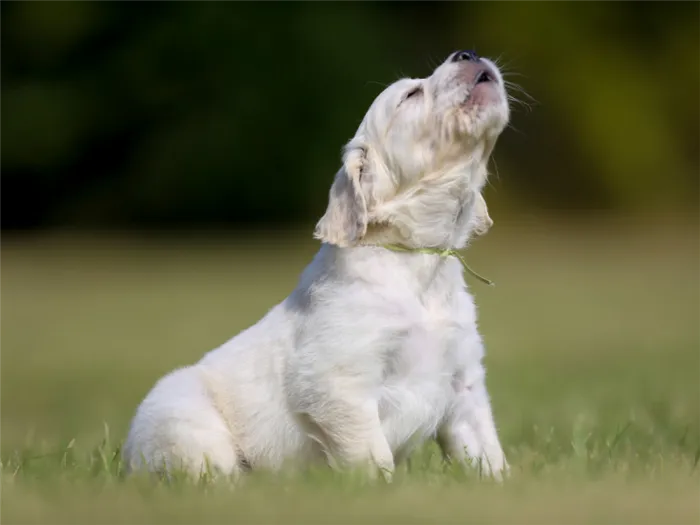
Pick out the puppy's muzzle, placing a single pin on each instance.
(473, 70)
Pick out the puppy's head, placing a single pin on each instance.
(435, 130)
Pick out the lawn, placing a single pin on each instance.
(593, 356)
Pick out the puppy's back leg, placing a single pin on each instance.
(177, 427)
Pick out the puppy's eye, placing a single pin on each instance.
(415, 91)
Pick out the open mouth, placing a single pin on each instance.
(484, 76)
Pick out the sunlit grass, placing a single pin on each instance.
(593, 362)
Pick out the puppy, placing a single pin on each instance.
(377, 349)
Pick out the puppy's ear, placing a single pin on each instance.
(345, 220)
(481, 220)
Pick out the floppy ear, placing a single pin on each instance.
(481, 220)
(345, 220)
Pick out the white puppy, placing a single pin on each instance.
(377, 349)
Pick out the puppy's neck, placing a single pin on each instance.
(436, 211)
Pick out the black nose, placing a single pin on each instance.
(469, 56)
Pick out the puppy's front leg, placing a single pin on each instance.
(352, 436)
(469, 432)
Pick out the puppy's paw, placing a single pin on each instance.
(494, 466)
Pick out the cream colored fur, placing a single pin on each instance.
(375, 351)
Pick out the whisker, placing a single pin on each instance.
(497, 173)
(497, 61)
(520, 89)
(513, 86)
(519, 132)
(375, 82)
(513, 74)
(433, 63)
(503, 67)
(522, 103)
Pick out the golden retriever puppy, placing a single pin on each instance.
(377, 348)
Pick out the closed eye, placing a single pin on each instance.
(415, 91)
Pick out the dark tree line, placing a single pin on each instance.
(220, 113)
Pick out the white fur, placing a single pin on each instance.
(375, 351)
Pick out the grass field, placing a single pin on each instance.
(592, 335)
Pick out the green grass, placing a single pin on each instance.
(592, 335)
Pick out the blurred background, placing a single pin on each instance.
(163, 164)
(179, 115)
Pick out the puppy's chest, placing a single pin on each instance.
(419, 385)
(431, 353)
(440, 323)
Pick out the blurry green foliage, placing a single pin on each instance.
(619, 86)
(180, 113)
